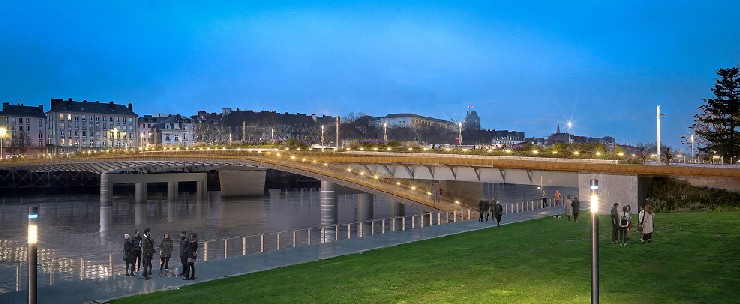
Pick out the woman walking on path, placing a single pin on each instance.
(647, 225)
(568, 207)
(165, 253)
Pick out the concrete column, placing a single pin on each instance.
(398, 209)
(140, 193)
(329, 209)
(172, 189)
(201, 190)
(140, 214)
(364, 210)
(105, 221)
(106, 190)
(171, 210)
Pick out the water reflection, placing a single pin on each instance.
(75, 226)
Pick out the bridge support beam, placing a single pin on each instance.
(466, 192)
(364, 210)
(140, 193)
(242, 182)
(329, 210)
(172, 190)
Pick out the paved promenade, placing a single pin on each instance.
(102, 290)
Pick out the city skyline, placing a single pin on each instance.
(523, 66)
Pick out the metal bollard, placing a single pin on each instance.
(382, 226)
(372, 227)
(244, 245)
(262, 242)
(403, 223)
(309, 236)
(439, 218)
(226, 248)
(454, 216)
(469, 214)
(393, 224)
(349, 231)
(294, 238)
(412, 221)
(82, 269)
(205, 251)
(359, 229)
(323, 234)
(336, 232)
(278, 240)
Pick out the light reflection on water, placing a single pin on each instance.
(74, 226)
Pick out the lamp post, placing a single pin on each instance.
(570, 124)
(272, 134)
(3, 132)
(33, 238)
(385, 131)
(658, 115)
(459, 132)
(322, 137)
(594, 189)
(692, 147)
(337, 142)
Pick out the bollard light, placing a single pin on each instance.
(594, 190)
(33, 239)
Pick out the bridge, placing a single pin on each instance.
(410, 178)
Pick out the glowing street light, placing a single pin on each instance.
(385, 131)
(459, 132)
(570, 125)
(3, 132)
(33, 239)
(594, 189)
(322, 136)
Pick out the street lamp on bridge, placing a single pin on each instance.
(3, 132)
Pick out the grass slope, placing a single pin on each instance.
(694, 258)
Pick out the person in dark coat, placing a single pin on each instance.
(576, 204)
(147, 250)
(128, 254)
(482, 208)
(498, 211)
(136, 241)
(615, 223)
(183, 249)
(191, 252)
(165, 252)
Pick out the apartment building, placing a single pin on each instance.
(82, 125)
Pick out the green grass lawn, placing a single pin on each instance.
(694, 258)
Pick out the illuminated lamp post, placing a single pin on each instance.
(459, 132)
(385, 131)
(3, 132)
(33, 238)
(594, 189)
(322, 137)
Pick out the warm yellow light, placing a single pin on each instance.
(620, 154)
(376, 148)
(535, 151)
(375, 177)
(349, 169)
(326, 165)
(388, 149)
(598, 153)
(576, 153)
(554, 152)
(362, 173)
(425, 149)
(3, 131)
(362, 149)
(278, 154)
(292, 157)
(508, 151)
(398, 183)
(410, 149)
(457, 202)
(429, 193)
(594, 204)
(33, 233)
(413, 187)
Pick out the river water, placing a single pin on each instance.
(75, 226)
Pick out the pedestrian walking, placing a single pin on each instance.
(629, 225)
(544, 198)
(576, 204)
(489, 205)
(481, 208)
(498, 211)
(136, 241)
(128, 252)
(568, 207)
(183, 250)
(624, 221)
(556, 198)
(647, 225)
(165, 252)
(147, 250)
(191, 252)
(615, 222)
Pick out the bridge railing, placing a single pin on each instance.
(91, 267)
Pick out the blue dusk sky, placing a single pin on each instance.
(523, 65)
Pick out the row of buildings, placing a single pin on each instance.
(70, 126)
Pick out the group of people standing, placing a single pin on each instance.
(490, 207)
(140, 249)
(572, 207)
(622, 224)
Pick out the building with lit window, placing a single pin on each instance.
(82, 125)
(25, 128)
(169, 130)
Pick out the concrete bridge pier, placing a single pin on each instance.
(140, 193)
(171, 210)
(364, 210)
(172, 190)
(329, 210)
(139, 214)
(201, 192)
